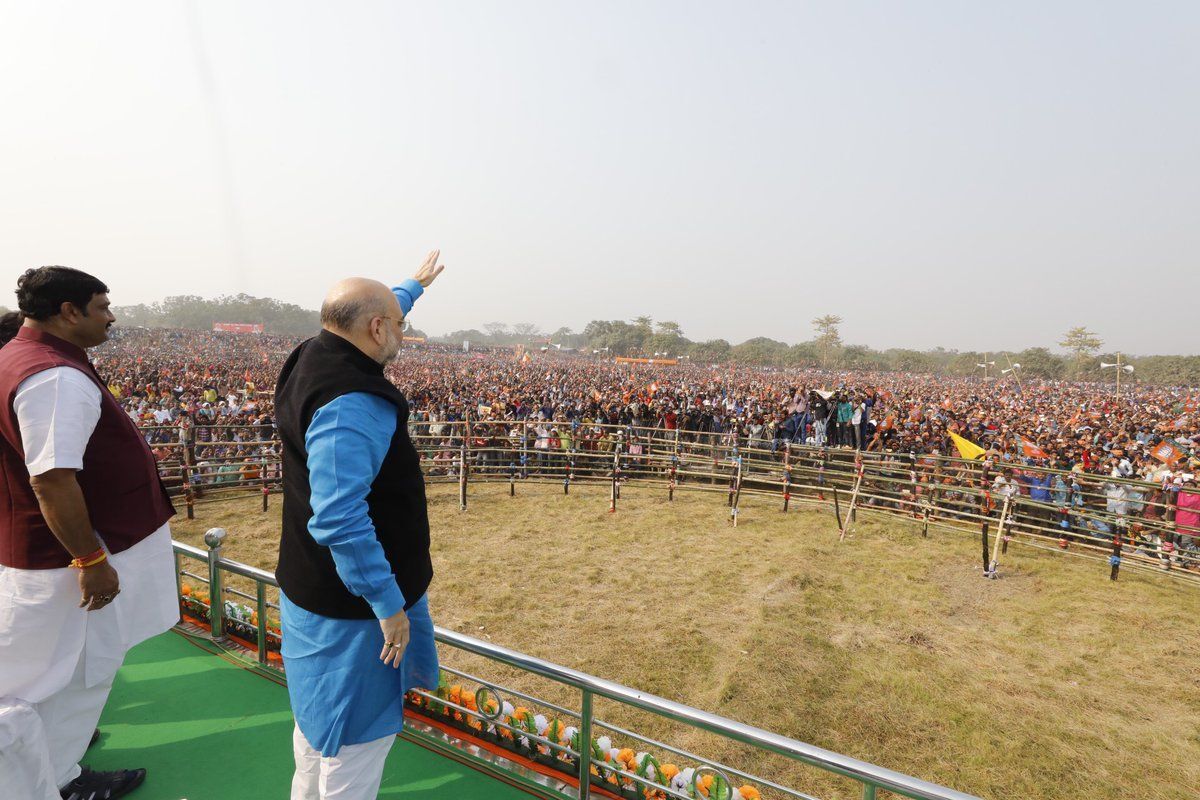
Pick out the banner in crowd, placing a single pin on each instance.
(1167, 453)
(237, 327)
(670, 362)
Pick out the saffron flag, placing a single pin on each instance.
(966, 448)
(1167, 453)
(1028, 448)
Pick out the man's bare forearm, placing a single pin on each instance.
(66, 513)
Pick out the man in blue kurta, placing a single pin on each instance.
(354, 560)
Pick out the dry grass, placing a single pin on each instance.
(1052, 682)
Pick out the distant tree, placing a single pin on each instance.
(1081, 342)
(495, 329)
(596, 329)
(714, 351)
(1038, 362)
(643, 322)
(759, 350)
(197, 313)
(469, 335)
(669, 328)
(525, 330)
(906, 360)
(804, 354)
(829, 338)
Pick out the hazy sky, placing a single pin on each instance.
(964, 174)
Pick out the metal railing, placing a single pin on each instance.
(870, 777)
(1122, 522)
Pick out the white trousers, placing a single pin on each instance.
(41, 743)
(353, 774)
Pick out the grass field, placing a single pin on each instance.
(1052, 682)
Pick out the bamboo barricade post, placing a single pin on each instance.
(616, 468)
(512, 479)
(850, 516)
(671, 480)
(570, 468)
(1114, 561)
(991, 572)
(674, 467)
(189, 494)
(737, 495)
(1005, 538)
(787, 474)
(525, 448)
(983, 528)
(916, 509)
(821, 480)
(837, 508)
(262, 474)
(462, 476)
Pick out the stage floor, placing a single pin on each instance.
(206, 728)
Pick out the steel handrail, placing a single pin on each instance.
(871, 776)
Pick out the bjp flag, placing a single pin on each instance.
(1167, 453)
(966, 448)
(1028, 448)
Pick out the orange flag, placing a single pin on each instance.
(1167, 453)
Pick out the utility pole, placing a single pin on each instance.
(1119, 368)
(985, 365)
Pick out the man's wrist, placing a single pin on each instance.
(388, 602)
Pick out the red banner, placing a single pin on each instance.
(237, 327)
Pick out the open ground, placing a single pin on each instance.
(1052, 682)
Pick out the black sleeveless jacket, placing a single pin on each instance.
(318, 371)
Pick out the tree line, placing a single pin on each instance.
(642, 336)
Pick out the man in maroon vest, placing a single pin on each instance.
(86, 570)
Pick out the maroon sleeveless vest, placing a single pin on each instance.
(125, 498)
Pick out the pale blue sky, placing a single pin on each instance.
(965, 174)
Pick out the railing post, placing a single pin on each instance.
(189, 496)
(262, 475)
(178, 582)
(261, 608)
(216, 592)
(868, 791)
(585, 746)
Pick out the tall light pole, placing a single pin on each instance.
(1119, 367)
(985, 365)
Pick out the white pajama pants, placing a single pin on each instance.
(41, 743)
(58, 661)
(353, 774)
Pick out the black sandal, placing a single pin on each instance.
(92, 785)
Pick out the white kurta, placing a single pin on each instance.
(49, 646)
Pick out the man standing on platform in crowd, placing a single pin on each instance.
(86, 570)
(354, 549)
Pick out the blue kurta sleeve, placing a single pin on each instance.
(407, 293)
(346, 444)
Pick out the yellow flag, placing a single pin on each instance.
(967, 448)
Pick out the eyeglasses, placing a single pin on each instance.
(403, 323)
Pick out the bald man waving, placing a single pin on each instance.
(354, 548)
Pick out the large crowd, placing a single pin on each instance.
(214, 392)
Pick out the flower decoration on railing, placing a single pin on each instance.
(241, 620)
(551, 743)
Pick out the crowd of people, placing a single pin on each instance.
(212, 392)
